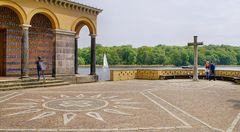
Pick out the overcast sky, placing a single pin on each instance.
(169, 22)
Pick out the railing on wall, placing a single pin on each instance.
(116, 75)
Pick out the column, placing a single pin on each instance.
(195, 77)
(54, 56)
(76, 55)
(93, 54)
(64, 58)
(25, 51)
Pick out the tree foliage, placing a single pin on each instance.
(161, 55)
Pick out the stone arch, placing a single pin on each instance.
(10, 42)
(41, 43)
(51, 16)
(22, 16)
(83, 21)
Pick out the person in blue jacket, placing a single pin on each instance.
(40, 67)
(212, 71)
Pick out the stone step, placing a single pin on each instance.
(21, 80)
(25, 83)
(34, 86)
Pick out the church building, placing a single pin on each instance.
(46, 28)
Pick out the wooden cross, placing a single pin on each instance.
(195, 68)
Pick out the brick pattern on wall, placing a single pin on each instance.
(41, 43)
(12, 54)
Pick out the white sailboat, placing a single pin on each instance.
(105, 62)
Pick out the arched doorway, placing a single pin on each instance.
(10, 43)
(77, 26)
(41, 43)
(84, 51)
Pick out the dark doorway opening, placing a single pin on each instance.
(3, 40)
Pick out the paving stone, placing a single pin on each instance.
(136, 105)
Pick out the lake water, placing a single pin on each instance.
(104, 74)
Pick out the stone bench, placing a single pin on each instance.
(165, 77)
(225, 78)
(236, 80)
(147, 74)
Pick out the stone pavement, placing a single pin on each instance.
(136, 105)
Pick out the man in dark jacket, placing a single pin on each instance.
(40, 67)
(212, 71)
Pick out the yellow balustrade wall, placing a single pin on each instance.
(146, 74)
(116, 75)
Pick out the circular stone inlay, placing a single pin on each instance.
(75, 104)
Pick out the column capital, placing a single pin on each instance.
(25, 26)
(93, 35)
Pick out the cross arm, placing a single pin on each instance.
(192, 44)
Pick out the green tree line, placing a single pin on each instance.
(161, 55)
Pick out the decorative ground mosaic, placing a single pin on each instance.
(148, 106)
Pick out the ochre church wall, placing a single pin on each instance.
(12, 45)
(53, 27)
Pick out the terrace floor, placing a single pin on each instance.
(136, 105)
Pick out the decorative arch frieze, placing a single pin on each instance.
(83, 21)
(51, 16)
(17, 9)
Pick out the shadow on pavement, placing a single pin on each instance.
(236, 104)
